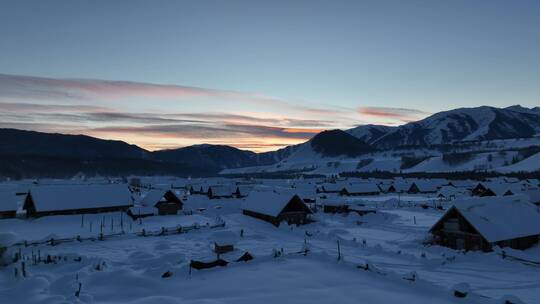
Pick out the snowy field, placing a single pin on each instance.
(128, 268)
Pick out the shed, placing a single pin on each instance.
(77, 199)
(275, 207)
(481, 223)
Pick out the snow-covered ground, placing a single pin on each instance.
(390, 241)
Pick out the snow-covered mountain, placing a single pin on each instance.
(370, 133)
(482, 132)
(464, 124)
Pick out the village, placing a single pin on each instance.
(144, 239)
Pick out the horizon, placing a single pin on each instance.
(258, 76)
(244, 149)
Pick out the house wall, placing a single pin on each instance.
(273, 220)
(520, 243)
(8, 214)
(335, 209)
(168, 208)
(455, 232)
(34, 213)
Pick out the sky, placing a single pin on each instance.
(257, 75)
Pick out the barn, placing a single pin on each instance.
(481, 223)
(8, 204)
(76, 199)
(157, 201)
(275, 207)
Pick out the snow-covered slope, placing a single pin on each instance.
(527, 165)
(481, 132)
(464, 124)
(370, 133)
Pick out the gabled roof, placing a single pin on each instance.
(268, 202)
(499, 218)
(401, 185)
(71, 197)
(447, 191)
(154, 196)
(8, 201)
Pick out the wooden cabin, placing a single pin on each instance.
(157, 202)
(77, 199)
(481, 223)
(275, 207)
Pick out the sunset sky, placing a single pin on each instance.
(257, 75)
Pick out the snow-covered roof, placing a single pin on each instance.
(533, 194)
(70, 197)
(428, 185)
(500, 218)
(245, 189)
(447, 191)
(401, 186)
(330, 187)
(362, 188)
(500, 188)
(8, 201)
(267, 202)
(463, 183)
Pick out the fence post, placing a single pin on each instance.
(339, 251)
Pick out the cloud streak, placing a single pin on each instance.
(72, 89)
(163, 115)
(393, 114)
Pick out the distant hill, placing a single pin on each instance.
(30, 143)
(37, 154)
